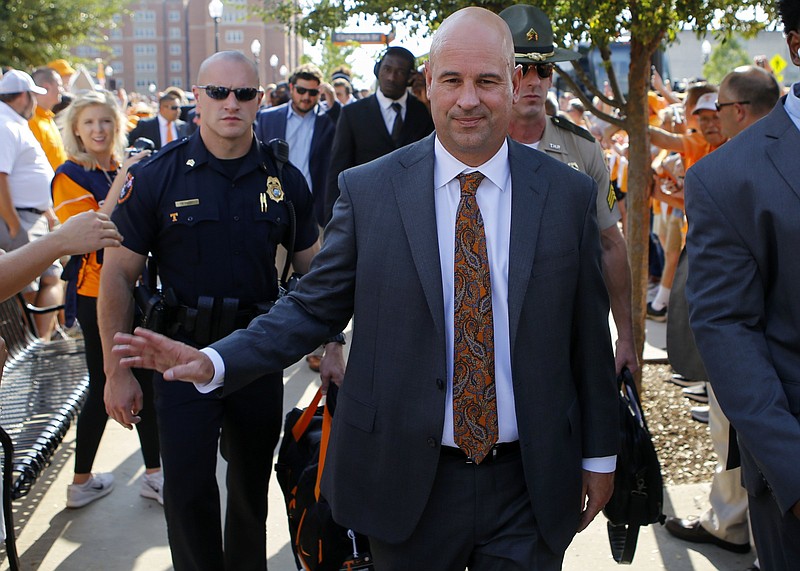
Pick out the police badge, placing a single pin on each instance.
(274, 190)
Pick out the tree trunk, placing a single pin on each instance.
(638, 198)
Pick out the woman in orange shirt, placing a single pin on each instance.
(91, 179)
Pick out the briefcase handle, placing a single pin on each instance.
(302, 424)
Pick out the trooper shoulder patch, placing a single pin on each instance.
(611, 197)
(127, 190)
(568, 125)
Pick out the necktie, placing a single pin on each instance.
(398, 122)
(474, 400)
(170, 137)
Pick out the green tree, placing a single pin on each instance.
(727, 55)
(332, 56)
(33, 32)
(650, 25)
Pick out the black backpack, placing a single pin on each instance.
(318, 542)
(638, 495)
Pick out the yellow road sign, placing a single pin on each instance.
(777, 63)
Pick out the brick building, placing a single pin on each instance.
(162, 42)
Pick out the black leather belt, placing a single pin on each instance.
(34, 210)
(498, 451)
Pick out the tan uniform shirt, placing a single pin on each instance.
(587, 157)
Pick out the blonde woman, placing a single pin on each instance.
(94, 137)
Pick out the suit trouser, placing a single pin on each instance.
(477, 516)
(727, 518)
(777, 535)
(247, 425)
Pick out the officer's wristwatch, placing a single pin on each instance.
(340, 339)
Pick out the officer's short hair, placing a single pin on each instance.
(756, 85)
(307, 71)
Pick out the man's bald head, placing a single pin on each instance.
(226, 57)
(746, 94)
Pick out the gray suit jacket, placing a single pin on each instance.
(380, 262)
(743, 205)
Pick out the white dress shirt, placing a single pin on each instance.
(386, 108)
(162, 130)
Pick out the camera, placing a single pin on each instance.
(142, 144)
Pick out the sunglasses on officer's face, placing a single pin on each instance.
(304, 90)
(221, 93)
(544, 70)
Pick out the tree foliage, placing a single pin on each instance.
(647, 24)
(33, 32)
(332, 56)
(726, 56)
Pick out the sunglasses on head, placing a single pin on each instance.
(544, 70)
(221, 93)
(304, 90)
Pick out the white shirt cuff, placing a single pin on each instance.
(219, 372)
(601, 465)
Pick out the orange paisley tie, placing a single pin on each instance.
(474, 398)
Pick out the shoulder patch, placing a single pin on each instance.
(568, 125)
(127, 190)
(611, 197)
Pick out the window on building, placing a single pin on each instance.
(144, 16)
(144, 32)
(234, 36)
(115, 34)
(175, 49)
(175, 66)
(144, 50)
(146, 66)
(174, 16)
(176, 81)
(118, 67)
(174, 33)
(117, 50)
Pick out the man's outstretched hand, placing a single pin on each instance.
(177, 361)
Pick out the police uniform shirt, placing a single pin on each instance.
(213, 234)
(561, 141)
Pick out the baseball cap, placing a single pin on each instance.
(61, 66)
(16, 81)
(706, 102)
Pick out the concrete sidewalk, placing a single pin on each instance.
(126, 532)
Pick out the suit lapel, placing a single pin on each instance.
(377, 122)
(783, 142)
(528, 196)
(413, 189)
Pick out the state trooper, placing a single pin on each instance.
(535, 51)
(211, 209)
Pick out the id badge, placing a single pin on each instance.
(363, 562)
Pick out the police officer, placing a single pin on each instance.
(211, 209)
(560, 138)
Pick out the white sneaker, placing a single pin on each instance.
(153, 486)
(99, 485)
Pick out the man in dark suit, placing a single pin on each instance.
(308, 130)
(377, 125)
(742, 293)
(164, 127)
(478, 411)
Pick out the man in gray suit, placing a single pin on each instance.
(742, 293)
(477, 422)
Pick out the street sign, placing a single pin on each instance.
(778, 64)
(340, 38)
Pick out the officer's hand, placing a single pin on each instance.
(597, 490)
(177, 361)
(331, 367)
(123, 397)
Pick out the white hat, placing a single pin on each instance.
(706, 102)
(16, 81)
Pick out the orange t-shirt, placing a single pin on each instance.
(695, 147)
(69, 199)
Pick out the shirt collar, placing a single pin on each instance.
(385, 102)
(6, 109)
(446, 167)
(291, 112)
(161, 120)
(42, 112)
(792, 104)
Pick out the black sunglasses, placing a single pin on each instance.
(544, 70)
(173, 107)
(304, 90)
(221, 93)
(719, 105)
